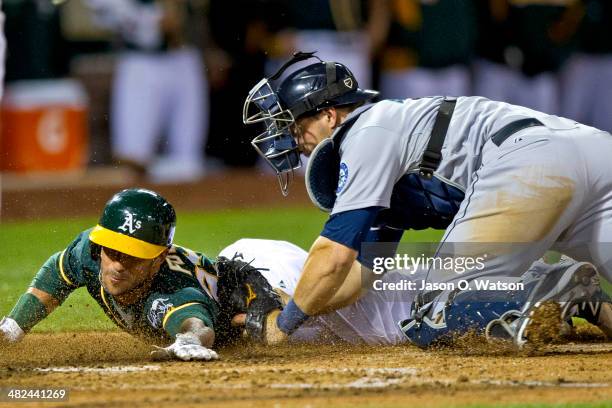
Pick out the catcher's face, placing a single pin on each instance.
(309, 131)
(121, 273)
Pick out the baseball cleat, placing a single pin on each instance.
(543, 324)
(504, 327)
(596, 310)
(543, 317)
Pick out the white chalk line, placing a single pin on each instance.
(238, 370)
(102, 370)
(563, 384)
(364, 382)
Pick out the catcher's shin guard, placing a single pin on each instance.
(454, 321)
(463, 312)
(423, 331)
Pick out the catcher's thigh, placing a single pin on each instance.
(527, 192)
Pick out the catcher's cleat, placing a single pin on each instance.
(504, 327)
(596, 310)
(542, 319)
(542, 324)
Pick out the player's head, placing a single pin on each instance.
(295, 112)
(134, 232)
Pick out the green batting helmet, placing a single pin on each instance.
(136, 222)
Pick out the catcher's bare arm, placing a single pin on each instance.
(325, 270)
(323, 286)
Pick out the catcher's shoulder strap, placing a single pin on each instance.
(433, 153)
(323, 167)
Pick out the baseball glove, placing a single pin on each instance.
(241, 288)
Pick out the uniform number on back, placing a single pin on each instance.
(175, 262)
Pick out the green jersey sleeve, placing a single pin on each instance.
(168, 311)
(65, 271)
(58, 276)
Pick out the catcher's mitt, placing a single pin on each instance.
(241, 288)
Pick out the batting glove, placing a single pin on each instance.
(186, 347)
(10, 332)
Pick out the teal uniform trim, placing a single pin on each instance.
(28, 311)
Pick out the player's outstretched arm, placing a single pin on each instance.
(193, 342)
(51, 285)
(324, 273)
(32, 307)
(188, 316)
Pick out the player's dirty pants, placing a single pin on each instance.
(543, 187)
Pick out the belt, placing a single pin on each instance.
(511, 128)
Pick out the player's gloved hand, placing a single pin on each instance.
(10, 332)
(186, 347)
(242, 289)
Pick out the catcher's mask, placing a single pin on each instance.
(305, 91)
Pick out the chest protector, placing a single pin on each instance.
(419, 199)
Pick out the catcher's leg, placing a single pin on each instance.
(551, 295)
(521, 200)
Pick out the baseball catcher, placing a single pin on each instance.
(145, 284)
(484, 171)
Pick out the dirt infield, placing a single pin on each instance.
(102, 368)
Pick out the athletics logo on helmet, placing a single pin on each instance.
(130, 225)
(136, 222)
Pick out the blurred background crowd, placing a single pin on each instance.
(158, 85)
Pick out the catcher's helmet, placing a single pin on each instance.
(136, 222)
(319, 86)
(307, 90)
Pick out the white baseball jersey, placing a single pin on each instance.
(372, 319)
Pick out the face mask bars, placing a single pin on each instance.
(262, 105)
(284, 161)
